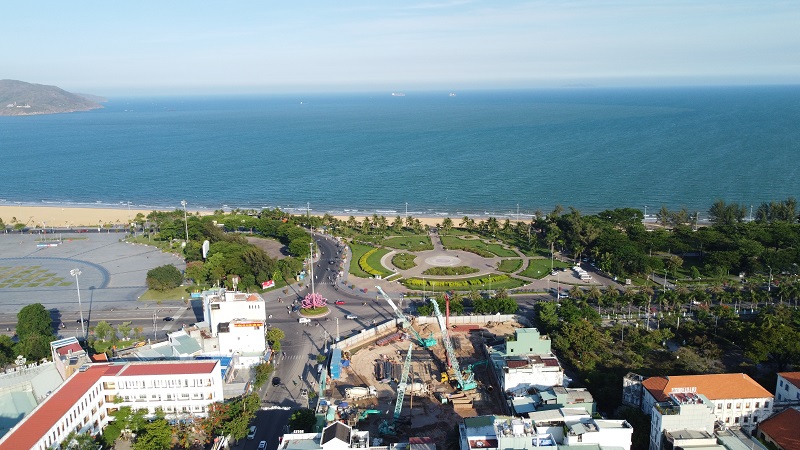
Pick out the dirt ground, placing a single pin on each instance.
(271, 247)
(423, 414)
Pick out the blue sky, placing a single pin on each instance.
(110, 47)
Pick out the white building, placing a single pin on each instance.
(182, 389)
(607, 433)
(238, 320)
(682, 415)
(336, 436)
(526, 362)
(787, 388)
(737, 399)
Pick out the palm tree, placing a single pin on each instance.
(594, 294)
(576, 293)
(447, 225)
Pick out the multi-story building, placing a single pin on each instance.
(737, 399)
(787, 388)
(687, 415)
(608, 433)
(527, 361)
(182, 389)
(238, 320)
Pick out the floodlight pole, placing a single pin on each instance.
(185, 221)
(75, 273)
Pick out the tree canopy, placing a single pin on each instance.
(164, 277)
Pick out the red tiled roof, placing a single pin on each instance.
(28, 432)
(714, 386)
(782, 428)
(514, 363)
(791, 377)
(75, 347)
(99, 357)
(185, 367)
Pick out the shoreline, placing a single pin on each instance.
(85, 216)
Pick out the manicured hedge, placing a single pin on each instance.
(414, 283)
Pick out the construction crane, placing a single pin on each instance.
(463, 384)
(385, 427)
(470, 374)
(424, 342)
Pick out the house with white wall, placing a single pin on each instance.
(182, 389)
(526, 361)
(238, 320)
(737, 399)
(787, 388)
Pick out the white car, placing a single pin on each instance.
(351, 316)
(252, 433)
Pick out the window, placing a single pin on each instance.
(738, 405)
(747, 405)
(745, 419)
(719, 405)
(727, 420)
(786, 388)
(729, 406)
(780, 383)
(766, 404)
(758, 404)
(735, 420)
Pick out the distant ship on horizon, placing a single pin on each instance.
(452, 94)
(398, 94)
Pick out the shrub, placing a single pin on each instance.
(164, 277)
(362, 262)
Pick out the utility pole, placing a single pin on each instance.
(337, 329)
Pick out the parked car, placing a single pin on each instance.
(351, 316)
(252, 433)
(339, 302)
(262, 445)
(276, 381)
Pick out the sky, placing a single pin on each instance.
(111, 47)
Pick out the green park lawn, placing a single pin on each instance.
(374, 260)
(404, 261)
(412, 243)
(510, 265)
(478, 246)
(175, 294)
(539, 268)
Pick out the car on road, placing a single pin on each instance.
(339, 302)
(276, 381)
(262, 445)
(251, 434)
(168, 319)
(84, 321)
(351, 316)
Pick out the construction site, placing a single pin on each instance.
(418, 379)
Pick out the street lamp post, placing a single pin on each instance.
(75, 273)
(311, 264)
(185, 221)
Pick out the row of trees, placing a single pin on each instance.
(500, 302)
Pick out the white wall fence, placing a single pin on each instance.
(388, 327)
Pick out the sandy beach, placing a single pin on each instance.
(70, 217)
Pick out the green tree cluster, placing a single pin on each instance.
(164, 277)
(34, 331)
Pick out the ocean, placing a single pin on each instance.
(477, 153)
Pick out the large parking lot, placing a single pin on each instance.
(112, 273)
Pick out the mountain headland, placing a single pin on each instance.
(18, 98)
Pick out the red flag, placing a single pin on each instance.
(267, 284)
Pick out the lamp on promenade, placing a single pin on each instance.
(75, 273)
(185, 222)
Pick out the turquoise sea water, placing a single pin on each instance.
(476, 152)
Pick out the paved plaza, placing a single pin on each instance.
(112, 272)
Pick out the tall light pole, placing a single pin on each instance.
(645, 213)
(75, 273)
(311, 264)
(185, 221)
